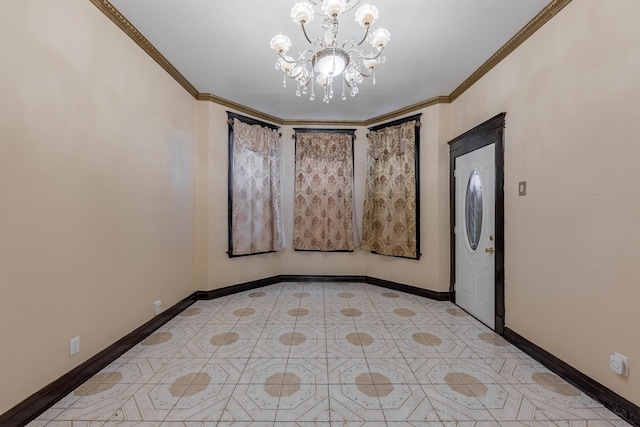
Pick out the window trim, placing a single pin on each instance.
(248, 120)
(415, 117)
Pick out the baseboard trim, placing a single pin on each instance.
(625, 409)
(413, 290)
(255, 284)
(234, 289)
(426, 293)
(322, 279)
(37, 403)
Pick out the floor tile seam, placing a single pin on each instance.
(115, 411)
(326, 345)
(265, 325)
(295, 323)
(235, 386)
(284, 382)
(140, 410)
(324, 322)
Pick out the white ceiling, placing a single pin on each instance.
(222, 48)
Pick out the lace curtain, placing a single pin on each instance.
(323, 201)
(255, 211)
(390, 222)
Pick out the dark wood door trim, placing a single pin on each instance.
(489, 132)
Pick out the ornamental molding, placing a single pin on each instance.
(521, 36)
(123, 23)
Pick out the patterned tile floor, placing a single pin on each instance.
(325, 354)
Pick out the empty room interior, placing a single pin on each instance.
(118, 183)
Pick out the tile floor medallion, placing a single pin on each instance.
(325, 354)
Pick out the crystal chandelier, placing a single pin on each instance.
(327, 60)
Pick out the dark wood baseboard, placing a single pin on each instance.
(37, 403)
(229, 290)
(625, 409)
(322, 279)
(234, 289)
(426, 293)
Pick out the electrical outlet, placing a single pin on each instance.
(619, 364)
(74, 346)
(157, 307)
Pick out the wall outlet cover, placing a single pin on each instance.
(74, 346)
(619, 364)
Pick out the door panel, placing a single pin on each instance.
(474, 238)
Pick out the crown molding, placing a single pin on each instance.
(408, 109)
(123, 23)
(239, 107)
(324, 122)
(273, 119)
(527, 31)
(521, 36)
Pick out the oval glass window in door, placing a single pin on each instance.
(473, 209)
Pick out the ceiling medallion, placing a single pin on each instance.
(327, 60)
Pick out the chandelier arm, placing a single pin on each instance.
(348, 48)
(373, 56)
(297, 75)
(300, 58)
(366, 75)
(366, 33)
(304, 31)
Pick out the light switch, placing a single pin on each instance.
(522, 188)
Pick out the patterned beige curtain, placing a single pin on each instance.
(390, 221)
(255, 211)
(323, 203)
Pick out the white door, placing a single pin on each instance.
(475, 177)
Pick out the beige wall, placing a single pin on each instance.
(215, 270)
(96, 172)
(572, 249)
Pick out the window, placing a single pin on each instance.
(391, 223)
(255, 207)
(323, 201)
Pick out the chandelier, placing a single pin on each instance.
(327, 60)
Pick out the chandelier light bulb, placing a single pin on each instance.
(323, 80)
(380, 38)
(329, 59)
(280, 44)
(366, 15)
(302, 13)
(370, 63)
(334, 8)
(351, 76)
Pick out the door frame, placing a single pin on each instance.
(489, 132)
